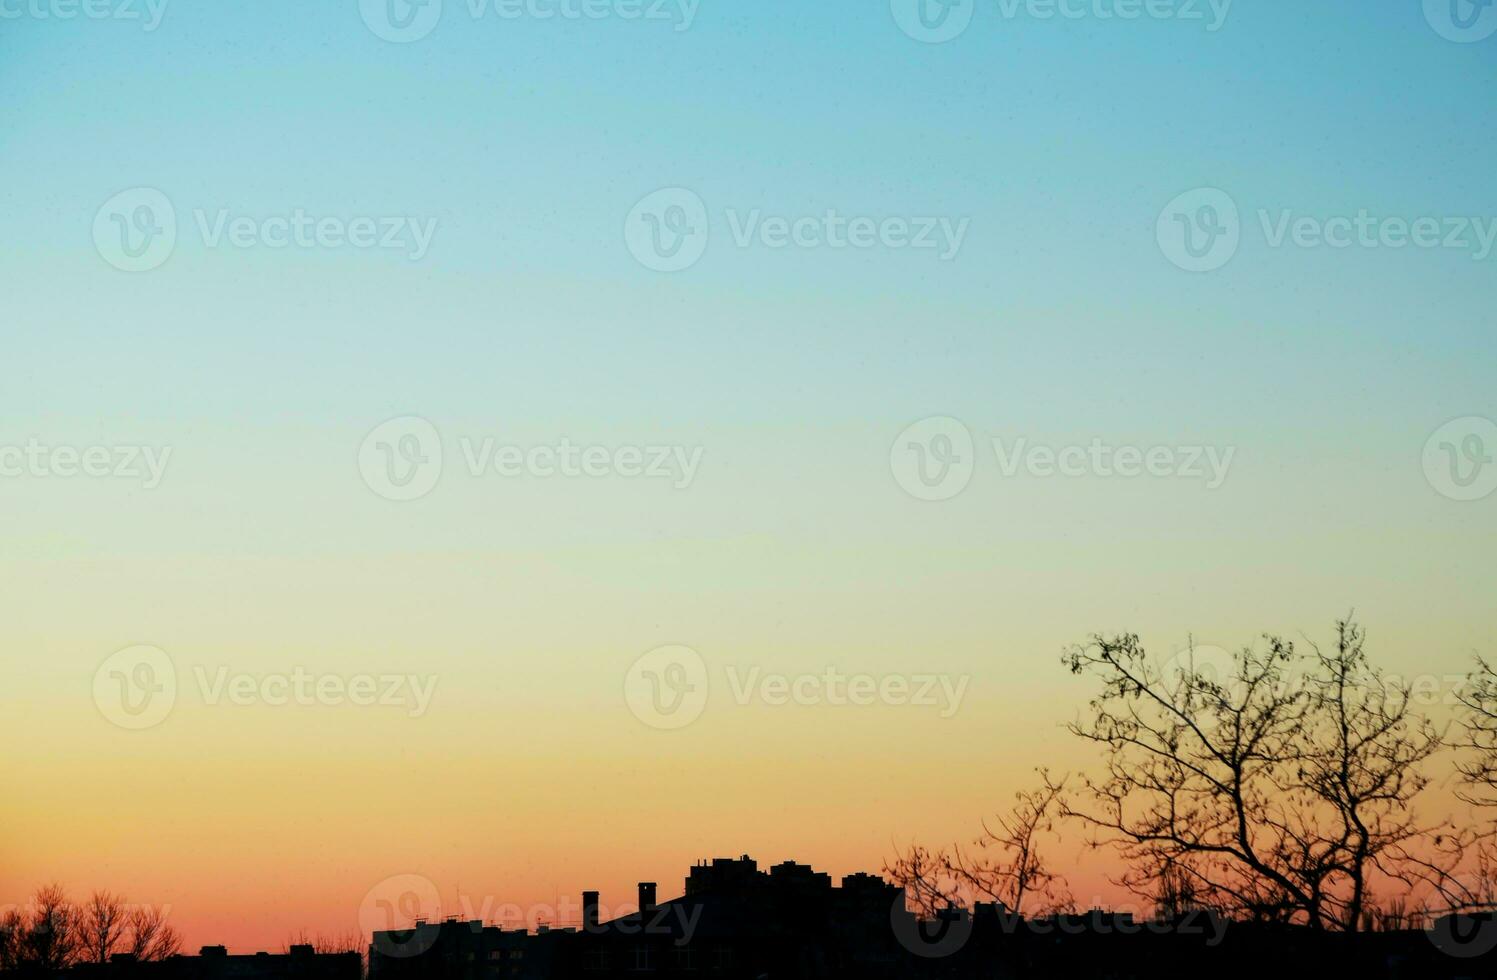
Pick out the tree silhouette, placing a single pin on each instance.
(1478, 698)
(103, 925)
(1278, 792)
(47, 935)
(1005, 864)
(148, 937)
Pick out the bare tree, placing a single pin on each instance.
(103, 926)
(1478, 699)
(1176, 894)
(1276, 793)
(1364, 760)
(1005, 864)
(921, 872)
(343, 942)
(49, 937)
(148, 936)
(12, 930)
(1462, 873)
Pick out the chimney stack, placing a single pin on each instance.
(646, 896)
(589, 910)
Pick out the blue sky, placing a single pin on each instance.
(529, 140)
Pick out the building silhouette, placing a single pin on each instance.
(299, 962)
(734, 921)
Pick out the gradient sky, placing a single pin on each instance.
(527, 599)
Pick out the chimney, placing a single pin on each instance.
(589, 910)
(646, 896)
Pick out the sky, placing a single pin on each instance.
(854, 326)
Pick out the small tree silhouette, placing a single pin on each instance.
(1005, 864)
